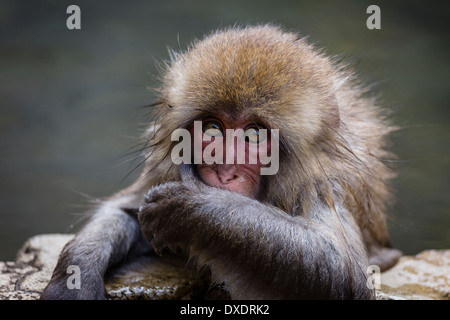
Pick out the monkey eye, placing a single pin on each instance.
(212, 128)
(255, 135)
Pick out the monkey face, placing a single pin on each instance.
(230, 153)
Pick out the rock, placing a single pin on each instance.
(154, 278)
(42, 251)
(147, 277)
(26, 278)
(424, 276)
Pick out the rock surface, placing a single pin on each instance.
(147, 277)
(27, 277)
(424, 276)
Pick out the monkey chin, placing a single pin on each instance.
(244, 182)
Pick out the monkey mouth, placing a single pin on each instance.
(239, 182)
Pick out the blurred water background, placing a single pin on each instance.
(71, 100)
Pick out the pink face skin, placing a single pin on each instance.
(242, 178)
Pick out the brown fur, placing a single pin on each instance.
(320, 216)
(332, 138)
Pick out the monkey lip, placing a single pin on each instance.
(233, 186)
(223, 182)
(239, 183)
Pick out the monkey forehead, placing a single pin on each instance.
(260, 68)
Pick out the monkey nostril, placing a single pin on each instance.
(227, 178)
(226, 173)
(223, 179)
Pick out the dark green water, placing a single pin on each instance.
(70, 100)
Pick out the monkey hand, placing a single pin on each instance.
(91, 281)
(166, 215)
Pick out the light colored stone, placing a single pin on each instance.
(147, 277)
(26, 278)
(19, 295)
(153, 278)
(6, 282)
(424, 276)
(42, 251)
(35, 282)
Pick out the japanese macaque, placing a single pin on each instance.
(307, 231)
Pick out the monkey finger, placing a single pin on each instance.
(148, 232)
(164, 191)
(158, 245)
(187, 174)
(153, 195)
(146, 208)
(148, 220)
(160, 192)
(147, 216)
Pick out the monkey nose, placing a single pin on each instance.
(226, 173)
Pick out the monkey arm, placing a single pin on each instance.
(258, 250)
(108, 236)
